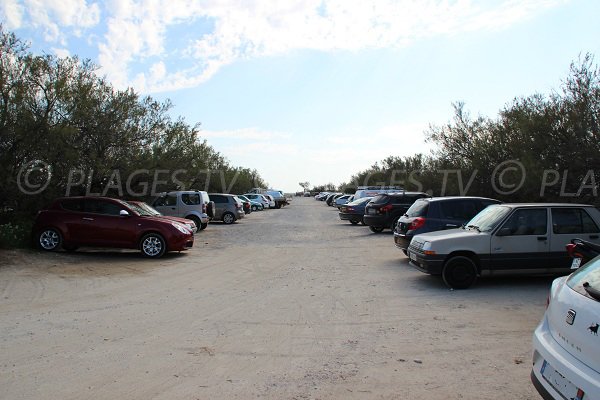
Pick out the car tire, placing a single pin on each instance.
(405, 252)
(49, 239)
(196, 221)
(254, 208)
(228, 218)
(459, 272)
(376, 229)
(354, 222)
(203, 226)
(153, 245)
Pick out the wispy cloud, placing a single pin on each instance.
(221, 32)
(251, 134)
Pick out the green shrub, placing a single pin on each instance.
(15, 235)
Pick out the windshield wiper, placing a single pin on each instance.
(595, 293)
(474, 227)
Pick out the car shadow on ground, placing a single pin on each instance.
(508, 284)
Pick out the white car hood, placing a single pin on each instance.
(450, 234)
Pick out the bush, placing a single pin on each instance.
(15, 235)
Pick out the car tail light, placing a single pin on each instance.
(385, 208)
(571, 251)
(416, 223)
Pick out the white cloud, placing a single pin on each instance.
(241, 30)
(61, 52)
(221, 32)
(52, 17)
(12, 14)
(252, 134)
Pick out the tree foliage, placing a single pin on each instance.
(85, 136)
(538, 148)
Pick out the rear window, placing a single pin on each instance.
(589, 273)
(380, 199)
(418, 209)
(462, 210)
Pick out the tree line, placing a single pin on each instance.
(65, 129)
(539, 148)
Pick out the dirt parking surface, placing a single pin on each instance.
(285, 304)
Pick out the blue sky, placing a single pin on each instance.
(316, 90)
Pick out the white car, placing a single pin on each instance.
(566, 344)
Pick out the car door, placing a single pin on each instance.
(522, 242)
(106, 226)
(570, 223)
(167, 205)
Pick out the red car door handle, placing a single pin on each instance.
(88, 219)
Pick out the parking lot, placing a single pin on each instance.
(284, 304)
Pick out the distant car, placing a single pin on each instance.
(246, 204)
(372, 191)
(322, 196)
(259, 198)
(436, 214)
(354, 211)
(331, 198)
(271, 200)
(228, 208)
(343, 200)
(528, 238)
(384, 210)
(566, 344)
(72, 222)
(254, 204)
(190, 204)
(146, 210)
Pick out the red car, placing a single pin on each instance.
(71, 222)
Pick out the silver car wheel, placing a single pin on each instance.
(49, 240)
(152, 246)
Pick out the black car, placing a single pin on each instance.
(354, 210)
(384, 210)
(436, 214)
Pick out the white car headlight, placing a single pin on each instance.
(180, 227)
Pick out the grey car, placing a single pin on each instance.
(228, 207)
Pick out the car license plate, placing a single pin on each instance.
(372, 211)
(413, 256)
(561, 384)
(576, 263)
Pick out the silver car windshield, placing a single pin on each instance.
(488, 218)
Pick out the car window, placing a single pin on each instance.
(190, 199)
(458, 209)
(167, 200)
(589, 273)
(528, 221)
(104, 207)
(218, 199)
(572, 220)
(380, 199)
(489, 218)
(72, 205)
(418, 209)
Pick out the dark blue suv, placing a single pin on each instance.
(436, 214)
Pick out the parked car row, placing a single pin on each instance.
(167, 223)
(462, 238)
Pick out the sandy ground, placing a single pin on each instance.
(285, 304)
